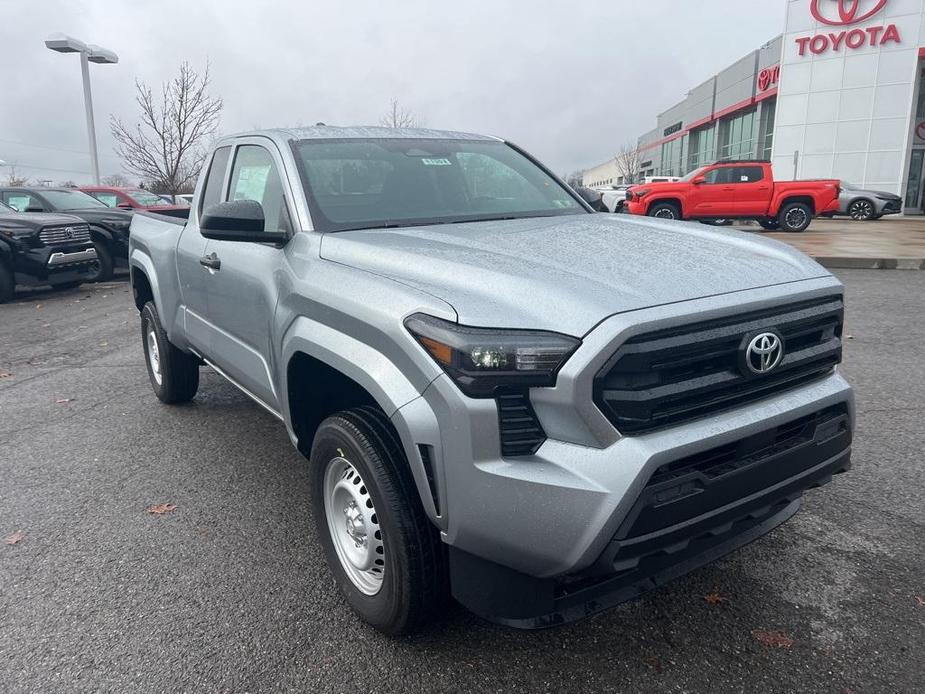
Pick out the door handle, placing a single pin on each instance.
(211, 261)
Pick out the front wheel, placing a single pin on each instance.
(861, 210)
(664, 210)
(385, 555)
(174, 374)
(101, 268)
(795, 217)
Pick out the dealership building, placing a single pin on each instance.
(840, 94)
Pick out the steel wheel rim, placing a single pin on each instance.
(796, 218)
(664, 213)
(861, 210)
(354, 526)
(154, 356)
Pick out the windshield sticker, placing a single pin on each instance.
(436, 162)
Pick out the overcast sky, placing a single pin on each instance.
(568, 80)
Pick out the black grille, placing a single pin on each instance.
(69, 233)
(521, 433)
(671, 376)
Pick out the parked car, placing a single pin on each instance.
(541, 410)
(109, 228)
(737, 190)
(866, 205)
(661, 179)
(39, 249)
(128, 198)
(614, 197)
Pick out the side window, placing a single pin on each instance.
(714, 176)
(747, 174)
(212, 190)
(254, 176)
(22, 202)
(110, 199)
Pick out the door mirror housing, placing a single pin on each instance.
(124, 206)
(699, 181)
(238, 220)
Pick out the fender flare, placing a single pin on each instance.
(381, 378)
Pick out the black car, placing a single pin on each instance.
(108, 227)
(37, 249)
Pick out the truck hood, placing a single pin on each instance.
(34, 220)
(567, 273)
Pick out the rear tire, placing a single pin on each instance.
(101, 271)
(7, 285)
(664, 210)
(384, 553)
(795, 217)
(174, 374)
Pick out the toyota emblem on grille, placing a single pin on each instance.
(763, 353)
(68, 232)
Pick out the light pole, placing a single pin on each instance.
(89, 53)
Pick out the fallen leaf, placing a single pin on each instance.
(104, 344)
(714, 598)
(38, 305)
(5, 374)
(772, 639)
(14, 538)
(849, 337)
(653, 663)
(161, 509)
(921, 600)
(64, 401)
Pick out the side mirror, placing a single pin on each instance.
(34, 209)
(238, 220)
(592, 197)
(124, 206)
(699, 181)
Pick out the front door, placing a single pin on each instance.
(191, 248)
(243, 291)
(713, 197)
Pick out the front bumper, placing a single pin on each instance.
(546, 523)
(54, 264)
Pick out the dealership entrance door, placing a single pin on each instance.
(915, 187)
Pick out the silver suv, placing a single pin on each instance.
(504, 397)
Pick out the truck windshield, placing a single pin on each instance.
(393, 182)
(694, 174)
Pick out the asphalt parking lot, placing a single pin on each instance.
(228, 592)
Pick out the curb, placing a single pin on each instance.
(855, 263)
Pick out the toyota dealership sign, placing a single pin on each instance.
(849, 25)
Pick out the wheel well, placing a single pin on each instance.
(317, 391)
(806, 200)
(141, 288)
(674, 202)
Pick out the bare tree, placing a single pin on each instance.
(14, 179)
(116, 180)
(167, 146)
(628, 159)
(399, 117)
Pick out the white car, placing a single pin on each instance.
(613, 197)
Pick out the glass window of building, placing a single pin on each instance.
(702, 148)
(767, 137)
(673, 157)
(737, 137)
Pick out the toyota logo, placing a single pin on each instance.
(849, 12)
(68, 232)
(763, 353)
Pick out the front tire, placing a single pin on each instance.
(664, 210)
(383, 551)
(795, 217)
(101, 269)
(174, 374)
(861, 210)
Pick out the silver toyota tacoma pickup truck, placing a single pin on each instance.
(502, 396)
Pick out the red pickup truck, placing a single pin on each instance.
(737, 190)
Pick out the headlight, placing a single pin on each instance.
(480, 360)
(641, 193)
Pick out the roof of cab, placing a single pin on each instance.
(331, 132)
